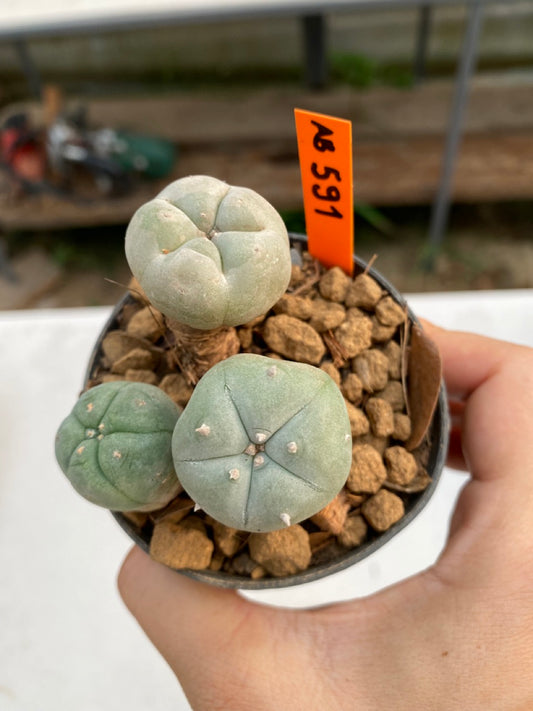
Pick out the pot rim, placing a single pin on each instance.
(440, 429)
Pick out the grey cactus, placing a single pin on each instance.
(263, 443)
(208, 254)
(115, 446)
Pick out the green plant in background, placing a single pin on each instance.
(364, 72)
(263, 443)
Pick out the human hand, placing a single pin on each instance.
(458, 636)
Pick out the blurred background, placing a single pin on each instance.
(96, 121)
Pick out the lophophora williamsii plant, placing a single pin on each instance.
(262, 443)
(274, 429)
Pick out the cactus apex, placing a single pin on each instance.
(234, 474)
(203, 430)
(292, 447)
(272, 371)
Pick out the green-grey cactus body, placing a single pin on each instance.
(208, 254)
(263, 443)
(115, 446)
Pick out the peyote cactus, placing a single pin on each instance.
(115, 446)
(208, 254)
(263, 443)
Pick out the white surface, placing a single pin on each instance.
(66, 641)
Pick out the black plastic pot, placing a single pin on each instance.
(414, 503)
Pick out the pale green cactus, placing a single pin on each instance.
(263, 443)
(115, 446)
(208, 254)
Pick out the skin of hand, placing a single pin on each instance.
(458, 636)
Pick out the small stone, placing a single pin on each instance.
(326, 315)
(393, 394)
(179, 546)
(352, 388)
(372, 367)
(383, 510)
(298, 306)
(380, 444)
(297, 276)
(333, 372)
(334, 284)
(401, 465)
(402, 427)
(333, 516)
(389, 312)
(319, 540)
(245, 336)
(394, 356)
(353, 532)
(141, 376)
(217, 561)
(354, 335)
(110, 378)
(381, 416)
(227, 540)
(294, 339)
(136, 359)
(367, 472)
(363, 292)
(381, 333)
(147, 323)
(117, 344)
(359, 424)
(243, 565)
(177, 388)
(283, 552)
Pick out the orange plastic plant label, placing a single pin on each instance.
(325, 153)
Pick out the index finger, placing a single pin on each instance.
(469, 359)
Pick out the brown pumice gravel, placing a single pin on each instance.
(352, 330)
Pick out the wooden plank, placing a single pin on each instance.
(248, 138)
(394, 172)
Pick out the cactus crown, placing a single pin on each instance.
(263, 443)
(115, 446)
(208, 254)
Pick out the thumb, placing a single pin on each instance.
(209, 636)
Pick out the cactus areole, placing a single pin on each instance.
(208, 254)
(263, 443)
(115, 446)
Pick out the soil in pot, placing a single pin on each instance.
(389, 375)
